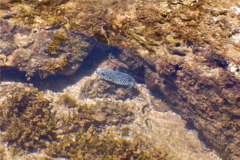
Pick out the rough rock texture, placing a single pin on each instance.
(41, 52)
(186, 51)
(153, 120)
(69, 125)
(30, 123)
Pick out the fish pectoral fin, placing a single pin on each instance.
(129, 88)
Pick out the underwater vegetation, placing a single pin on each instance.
(30, 122)
(91, 145)
(40, 52)
(26, 119)
(191, 50)
(58, 39)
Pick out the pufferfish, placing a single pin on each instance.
(117, 77)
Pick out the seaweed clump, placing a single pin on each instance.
(3, 154)
(26, 119)
(83, 133)
(78, 131)
(58, 39)
(72, 116)
(92, 145)
(67, 100)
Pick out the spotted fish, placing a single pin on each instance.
(117, 77)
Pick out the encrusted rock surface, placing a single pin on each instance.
(68, 125)
(41, 52)
(186, 51)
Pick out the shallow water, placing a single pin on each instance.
(50, 52)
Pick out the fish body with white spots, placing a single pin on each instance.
(117, 77)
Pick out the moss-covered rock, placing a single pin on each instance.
(29, 122)
(26, 118)
(188, 52)
(91, 144)
(73, 115)
(40, 52)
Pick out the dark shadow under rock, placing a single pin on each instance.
(41, 52)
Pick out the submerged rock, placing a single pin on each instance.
(185, 51)
(40, 52)
(31, 122)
